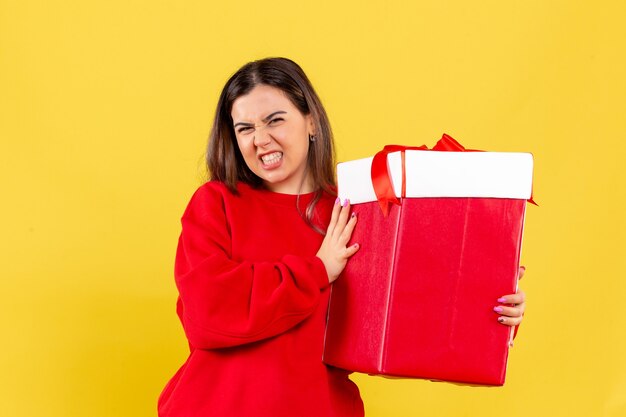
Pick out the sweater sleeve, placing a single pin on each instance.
(223, 302)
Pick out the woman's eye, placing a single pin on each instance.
(276, 120)
(244, 129)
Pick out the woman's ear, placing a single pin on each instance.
(310, 124)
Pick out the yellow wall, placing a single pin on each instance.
(105, 107)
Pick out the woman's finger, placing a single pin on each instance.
(342, 219)
(333, 217)
(516, 311)
(522, 270)
(517, 298)
(345, 236)
(510, 321)
(352, 249)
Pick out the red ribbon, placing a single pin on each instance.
(381, 180)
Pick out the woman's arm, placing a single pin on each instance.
(223, 302)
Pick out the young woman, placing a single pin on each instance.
(261, 243)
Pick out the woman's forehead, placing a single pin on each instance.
(261, 101)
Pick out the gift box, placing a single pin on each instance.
(440, 233)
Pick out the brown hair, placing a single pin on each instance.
(223, 158)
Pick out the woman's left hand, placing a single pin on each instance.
(511, 309)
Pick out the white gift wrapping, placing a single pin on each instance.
(442, 174)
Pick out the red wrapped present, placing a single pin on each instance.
(440, 235)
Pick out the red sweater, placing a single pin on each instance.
(253, 300)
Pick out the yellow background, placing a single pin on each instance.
(105, 107)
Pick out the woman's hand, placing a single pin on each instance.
(333, 252)
(512, 306)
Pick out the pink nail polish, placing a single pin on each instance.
(501, 319)
(356, 245)
(501, 299)
(498, 309)
(337, 200)
(353, 215)
(345, 203)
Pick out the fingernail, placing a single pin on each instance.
(337, 200)
(523, 267)
(498, 309)
(353, 215)
(501, 319)
(501, 299)
(356, 245)
(345, 203)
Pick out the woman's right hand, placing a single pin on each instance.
(333, 252)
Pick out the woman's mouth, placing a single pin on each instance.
(271, 160)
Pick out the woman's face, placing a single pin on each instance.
(273, 137)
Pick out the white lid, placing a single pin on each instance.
(442, 174)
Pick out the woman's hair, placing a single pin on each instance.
(223, 157)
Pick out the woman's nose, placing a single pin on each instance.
(262, 137)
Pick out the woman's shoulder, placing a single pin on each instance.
(207, 197)
(215, 187)
(209, 189)
(214, 190)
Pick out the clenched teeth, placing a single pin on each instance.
(272, 158)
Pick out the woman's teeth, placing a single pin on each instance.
(272, 158)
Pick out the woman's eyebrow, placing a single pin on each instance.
(264, 119)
